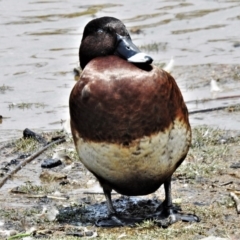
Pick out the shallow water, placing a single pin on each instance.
(39, 43)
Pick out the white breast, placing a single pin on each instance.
(149, 157)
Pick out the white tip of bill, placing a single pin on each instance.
(140, 58)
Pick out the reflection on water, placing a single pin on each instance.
(39, 43)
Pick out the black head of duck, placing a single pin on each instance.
(108, 36)
(129, 121)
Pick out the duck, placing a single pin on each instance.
(128, 118)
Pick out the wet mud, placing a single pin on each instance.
(133, 207)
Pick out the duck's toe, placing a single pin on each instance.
(185, 217)
(166, 216)
(117, 221)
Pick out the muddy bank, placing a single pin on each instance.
(65, 201)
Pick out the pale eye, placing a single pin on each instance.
(100, 30)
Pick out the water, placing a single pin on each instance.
(39, 43)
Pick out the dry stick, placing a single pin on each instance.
(212, 109)
(207, 110)
(237, 192)
(101, 193)
(212, 99)
(47, 196)
(226, 183)
(236, 200)
(28, 160)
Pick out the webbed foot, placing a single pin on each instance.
(114, 220)
(166, 216)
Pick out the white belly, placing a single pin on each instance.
(147, 160)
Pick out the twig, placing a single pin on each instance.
(210, 109)
(101, 193)
(212, 99)
(214, 108)
(236, 200)
(237, 192)
(226, 183)
(47, 196)
(20, 235)
(28, 160)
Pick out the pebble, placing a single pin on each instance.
(27, 133)
(236, 44)
(51, 163)
(235, 165)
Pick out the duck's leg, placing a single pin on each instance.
(167, 204)
(113, 219)
(166, 209)
(107, 193)
(111, 210)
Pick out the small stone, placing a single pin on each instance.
(235, 165)
(88, 233)
(91, 182)
(7, 233)
(14, 162)
(64, 182)
(1, 222)
(27, 133)
(75, 234)
(222, 141)
(51, 163)
(67, 168)
(236, 44)
(177, 200)
(23, 156)
(52, 214)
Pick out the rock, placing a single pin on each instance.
(237, 44)
(51, 163)
(7, 233)
(14, 162)
(75, 234)
(49, 213)
(27, 133)
(235, 165)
